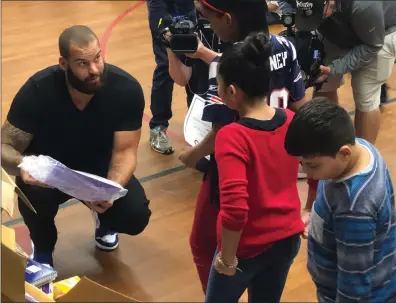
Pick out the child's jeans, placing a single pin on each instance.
(264, 276)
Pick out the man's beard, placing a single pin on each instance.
(83, 86)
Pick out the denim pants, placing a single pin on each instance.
(264, 276)
(162, 87)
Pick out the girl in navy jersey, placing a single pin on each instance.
(259, 223)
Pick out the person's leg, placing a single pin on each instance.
(203, 239)
(185, 7)
(162, 87)
(128, 215)
(41, 226)
(268, 284)
(366, 87)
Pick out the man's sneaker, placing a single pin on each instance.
(159, 141)
(43, 257)
(105, 239)
(301, 173)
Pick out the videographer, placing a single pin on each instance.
(191, 70)
(359, 37)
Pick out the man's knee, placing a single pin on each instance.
(138, 222)
(367, 106)
(367, 98)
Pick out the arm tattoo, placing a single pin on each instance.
(13, 143)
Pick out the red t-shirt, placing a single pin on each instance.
(257, 183)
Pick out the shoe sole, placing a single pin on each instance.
(167, 152)
(302, 176)
(105, 248)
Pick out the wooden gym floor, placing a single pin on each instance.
(156, 265)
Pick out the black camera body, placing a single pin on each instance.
(309, 48)
(183, 33)
(184, 39)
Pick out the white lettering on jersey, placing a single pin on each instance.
(288, 45)
(278, 61)
(213, 70)
(213, 88)
(279, 98)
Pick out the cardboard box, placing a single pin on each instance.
(13, 266)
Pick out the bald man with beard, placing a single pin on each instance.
(87, 114)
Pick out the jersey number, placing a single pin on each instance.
(279, 98)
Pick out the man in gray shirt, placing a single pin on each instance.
(359, 37)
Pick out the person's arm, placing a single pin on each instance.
(23, 120)
(127, 131)
(367, 21)
(14, 141)
(272, 6)
(124, 156)
(355, 236)
(191, 156)
(286, 5)
(179, 72)
(204, 53)
(312, 191)
(232, 160)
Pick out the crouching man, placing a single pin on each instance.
(86, 114)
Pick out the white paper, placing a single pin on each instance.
(80, 185)
(33, 269)
(195, 129)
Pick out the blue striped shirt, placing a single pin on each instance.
(352, 238)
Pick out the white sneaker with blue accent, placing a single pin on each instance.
(105, 239)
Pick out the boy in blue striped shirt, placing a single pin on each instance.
(352, 234)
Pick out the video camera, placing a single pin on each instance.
(183, 30)
(310, 49)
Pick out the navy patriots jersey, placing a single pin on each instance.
(287, 85)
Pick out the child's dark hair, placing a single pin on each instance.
(319, 128)
(247, 65)
(251, 15)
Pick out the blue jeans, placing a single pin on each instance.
(264, 276)
(162, 88)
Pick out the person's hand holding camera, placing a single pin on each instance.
(325, 74)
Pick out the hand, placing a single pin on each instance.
(221, 269)
(99, 206)
(306, 218)
(187, 158)
(28, 179)
(325, 74)
(167, 35)
(197, 54)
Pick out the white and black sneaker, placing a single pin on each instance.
(301, 173)
(105, 239)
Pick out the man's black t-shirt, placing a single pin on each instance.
(82, 140)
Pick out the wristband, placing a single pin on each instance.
(229, 266)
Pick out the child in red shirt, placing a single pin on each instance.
(259, 224)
